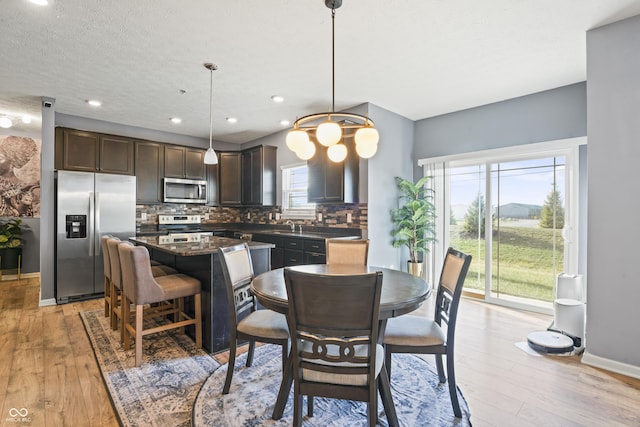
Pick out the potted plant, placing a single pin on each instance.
(11, 244)
(414, 221)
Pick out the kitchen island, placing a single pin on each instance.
(200, 259)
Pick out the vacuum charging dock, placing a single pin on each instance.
(566, 333)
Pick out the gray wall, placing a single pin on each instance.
(31, 226)
(613, 294)
(394, 158)
(544, 116)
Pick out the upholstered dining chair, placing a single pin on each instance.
(140, 288)
(333, 322)
(417, 334)
(343, 251)
(117, 308)
(106, 263)
(246, 322)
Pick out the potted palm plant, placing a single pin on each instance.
(414, 221)
(10, 243)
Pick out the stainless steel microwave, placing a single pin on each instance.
(177, 190)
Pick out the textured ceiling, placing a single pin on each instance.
(419, 58)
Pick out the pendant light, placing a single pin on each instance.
(210, 157)
(330, 131)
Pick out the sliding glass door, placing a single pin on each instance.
(511, 211)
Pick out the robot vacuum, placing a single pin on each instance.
(552, 342)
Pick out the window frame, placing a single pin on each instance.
(309, 212)
(438, 167)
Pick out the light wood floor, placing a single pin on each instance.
(47, 366)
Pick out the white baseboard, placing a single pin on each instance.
(611, 365)
(47, 302)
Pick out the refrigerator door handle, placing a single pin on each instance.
(96, 219)
(92, 210)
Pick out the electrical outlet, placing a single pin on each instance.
(206, 216)
(349, 218)
(319, 216)
(143, 216)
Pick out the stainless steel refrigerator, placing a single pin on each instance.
(89, 206)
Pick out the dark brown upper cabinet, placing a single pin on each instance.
(149, 171)
(230, 172)
(259, 176)
(331, 182)
(212, 184)
(184, 162)
(93, 152)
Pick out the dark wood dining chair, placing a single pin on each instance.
(344, 251)
(246, 322)
(333, 321)
(417, 334)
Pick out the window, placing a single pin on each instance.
(295, 181)
(515, 211)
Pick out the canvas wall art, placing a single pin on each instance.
(19, 176)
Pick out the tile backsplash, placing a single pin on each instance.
(333, 215)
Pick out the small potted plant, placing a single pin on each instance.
(10, 243)
(414, 221)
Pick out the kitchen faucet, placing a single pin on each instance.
(293, 226)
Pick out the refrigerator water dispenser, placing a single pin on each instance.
(76, 226)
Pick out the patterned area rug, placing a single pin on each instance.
(160, 392)
(418, 397)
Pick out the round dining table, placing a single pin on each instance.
(401, 294)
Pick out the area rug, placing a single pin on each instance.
(160, 392)
(418, 397)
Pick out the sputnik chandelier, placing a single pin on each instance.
(330, 131)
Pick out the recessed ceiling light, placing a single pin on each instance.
(94, 103)
(277, 98)
(176, 120)
(284, 122)
(5, 122)
(232, 120)
(26, 119)
(40, 2)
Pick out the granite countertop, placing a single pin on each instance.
(207, 245)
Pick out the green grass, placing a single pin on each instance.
(527, 267)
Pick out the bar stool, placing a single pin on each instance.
(117, 308)
(106, 262)
(140, 288)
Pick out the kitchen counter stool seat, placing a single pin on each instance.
(141, 288)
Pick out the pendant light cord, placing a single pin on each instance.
(333, 61)
(211, 109)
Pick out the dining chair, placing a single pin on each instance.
(417, 334)
(333, 322)
(343, 251)
(246, 322)
(140, 288)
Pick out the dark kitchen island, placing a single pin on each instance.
(201, 260)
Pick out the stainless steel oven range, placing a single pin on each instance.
(181, 228)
